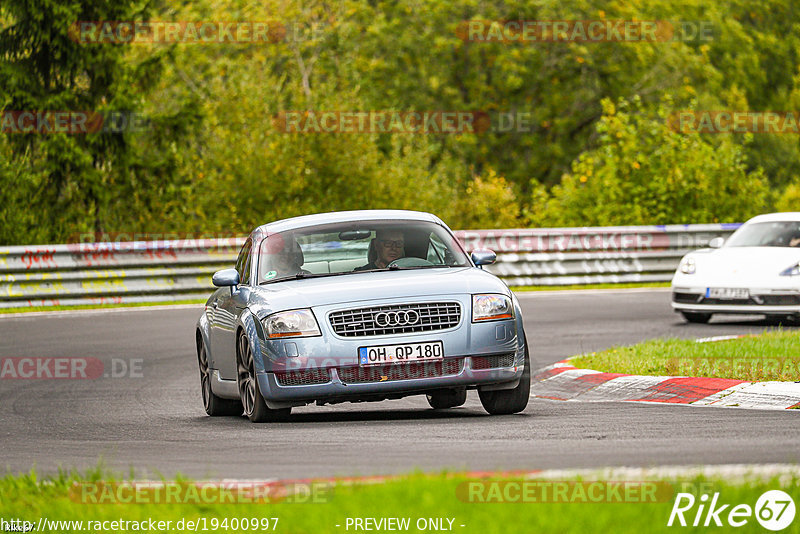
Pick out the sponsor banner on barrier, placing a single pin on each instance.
(586, 239)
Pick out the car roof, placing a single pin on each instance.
(776, 217)
(345, 216)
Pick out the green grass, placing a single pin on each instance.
(626, 285)
(414, 496)
(99, 306)
(770, 356)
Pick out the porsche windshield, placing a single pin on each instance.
(345, 248)
(767, 234)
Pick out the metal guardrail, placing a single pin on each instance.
(165, 271)
(592, 255)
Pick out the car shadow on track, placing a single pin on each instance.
(385, 415)
(340, 416)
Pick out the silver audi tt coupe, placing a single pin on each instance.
(359, 306)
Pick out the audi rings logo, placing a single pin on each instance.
(397, 318)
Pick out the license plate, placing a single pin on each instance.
(405, 353)
(727, 293)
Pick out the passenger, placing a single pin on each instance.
(283, 258)
(388, 245)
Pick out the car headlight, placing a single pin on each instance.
(688, 266)
(491, 307)
(794, 270)
(292, 323)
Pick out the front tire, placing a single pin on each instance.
(447, 398)
(253, 403)
(508, 401)
(215, 406)
(696, 317)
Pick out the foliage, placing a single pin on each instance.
(70, 183)
(790, 198)
(212, 158)
(643, 172)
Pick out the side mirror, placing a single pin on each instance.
(717, 242)
(483, 257)
(225, 278)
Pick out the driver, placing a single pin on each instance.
(387, 246)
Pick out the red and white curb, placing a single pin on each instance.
(562, 381)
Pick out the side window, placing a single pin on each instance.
(436, 250)
(243, 262)
(244, 278)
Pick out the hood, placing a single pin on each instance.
(745, 264)
(357, 287)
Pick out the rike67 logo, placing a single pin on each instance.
(774, 510)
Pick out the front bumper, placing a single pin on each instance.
(761, 301)
(326, 367)
(463, 372)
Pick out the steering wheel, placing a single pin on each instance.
(410, 262)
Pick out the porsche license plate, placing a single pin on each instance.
(727, 293)
(405, 353)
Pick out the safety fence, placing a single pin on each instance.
(175, 270)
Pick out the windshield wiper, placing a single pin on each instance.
(300, 276)
(399, 268)
(427, 267)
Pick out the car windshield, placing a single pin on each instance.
(357, 247)
(767, 234)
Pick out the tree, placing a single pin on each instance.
(110, 180)
(643, 172)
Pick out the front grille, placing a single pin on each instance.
(409, 371)
(303, 378)
(493, 362)
(740, 302)
(373, 321)
(687, 298)
(759, 300)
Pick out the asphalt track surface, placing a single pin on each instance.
(155, 424)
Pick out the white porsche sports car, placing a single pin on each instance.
(756, 271)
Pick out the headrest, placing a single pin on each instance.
(279, 244)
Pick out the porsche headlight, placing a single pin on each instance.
(491, 307)
(292, 323)
(794, 270)
(688, 266)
